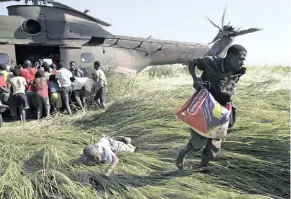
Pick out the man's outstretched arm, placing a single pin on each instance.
(114, 163)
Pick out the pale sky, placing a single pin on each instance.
(183, 20)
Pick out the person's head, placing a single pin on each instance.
(97, 65)
(39, 73)
(59, 66)
(73, 65)
(52, 78)
(46, 67)
(53, 66)
(16, 72)
(3, 67)
(235, 57)
(92, 155)
(27, 64)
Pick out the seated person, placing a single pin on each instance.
(104, 151)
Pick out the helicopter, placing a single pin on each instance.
(49, 29)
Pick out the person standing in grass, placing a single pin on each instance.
(18, 85)
(222, 74)
(55, 93)
(76, 71)
(42, 97)
(28, 72)
(64, 76)
(46, 68)
(101, 81)
(4, 72)
(4, 92)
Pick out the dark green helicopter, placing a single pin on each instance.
(48, 29)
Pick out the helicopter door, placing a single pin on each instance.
(70, 53)
(7, 54)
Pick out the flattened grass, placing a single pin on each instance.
(38, 159)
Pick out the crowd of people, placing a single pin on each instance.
(38, 90)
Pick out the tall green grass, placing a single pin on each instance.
(39, 159)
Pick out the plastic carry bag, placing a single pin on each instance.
(205, 115)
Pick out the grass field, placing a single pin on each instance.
(37, 159)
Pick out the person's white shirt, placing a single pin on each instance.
(103, 147)
(101, 79)
(18, 84)
(64, 75)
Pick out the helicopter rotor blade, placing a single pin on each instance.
(212, 23)
(222, 19)
(243, 32)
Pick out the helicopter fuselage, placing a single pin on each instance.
(44, 30)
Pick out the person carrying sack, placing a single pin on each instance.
(219, 76)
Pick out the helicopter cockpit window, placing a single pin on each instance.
(31, 27)
(4, 59)
(87, 58)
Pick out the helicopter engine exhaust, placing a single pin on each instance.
(31, 26)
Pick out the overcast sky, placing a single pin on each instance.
(184, 20)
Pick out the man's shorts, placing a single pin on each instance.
(79, 93)
(210, 146)
(21, 100)
(101, 94)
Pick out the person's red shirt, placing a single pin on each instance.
(41, 87)
(3, 82)
(32, 71)
(29, 75)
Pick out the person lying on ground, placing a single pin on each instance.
(104, 151)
